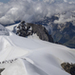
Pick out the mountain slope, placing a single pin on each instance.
(32, 56)
(31, 30)
(64, 33)
(61, 32)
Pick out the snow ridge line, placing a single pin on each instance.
(6, 37)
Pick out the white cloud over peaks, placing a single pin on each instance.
(31, 10)
(65, 18)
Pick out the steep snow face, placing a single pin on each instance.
(8, 50)
(7, 47)
(34, 57)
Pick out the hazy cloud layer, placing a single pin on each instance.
(35, 10)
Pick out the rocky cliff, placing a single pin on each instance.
(40, 30)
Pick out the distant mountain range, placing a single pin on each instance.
(63, 33)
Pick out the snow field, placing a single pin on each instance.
(34, 57)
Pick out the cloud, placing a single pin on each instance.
(67, 17)
(33, 10)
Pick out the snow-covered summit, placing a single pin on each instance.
(34, 57)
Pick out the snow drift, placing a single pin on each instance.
(33, 56)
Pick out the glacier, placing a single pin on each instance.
(32, 56)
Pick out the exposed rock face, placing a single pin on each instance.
(30, 28)
(62, 33)
(70, 68)
(1, 70)
(23, 29)
(41, 32)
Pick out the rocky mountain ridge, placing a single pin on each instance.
(28, 29)
(63, 33)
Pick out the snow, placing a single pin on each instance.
(17, 65)
(12, 27)
(33, 56)
(34, 36)
(3, 31)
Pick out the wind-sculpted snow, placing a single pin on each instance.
(33, 57)
(34, 10)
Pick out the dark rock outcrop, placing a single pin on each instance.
(29, 28)
(1, 69)
(70, 68)
(41, 32)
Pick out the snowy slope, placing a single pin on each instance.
(12, 27)
(34, 57)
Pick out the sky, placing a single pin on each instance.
(4, 1)
(33, 10)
